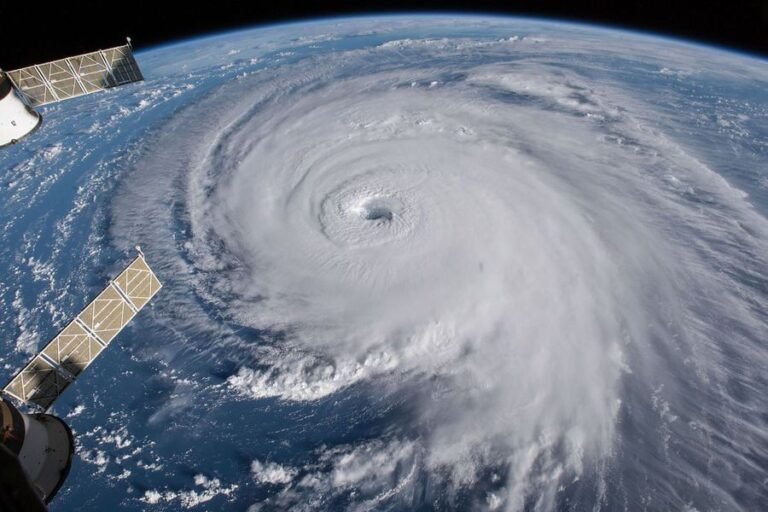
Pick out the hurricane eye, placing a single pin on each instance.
(376, 210)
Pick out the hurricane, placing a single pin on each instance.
(482, 264)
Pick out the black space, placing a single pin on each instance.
(30, 33)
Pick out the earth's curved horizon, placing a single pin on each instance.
(649, 33)
(411, 262)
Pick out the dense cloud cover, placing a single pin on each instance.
(508, 242)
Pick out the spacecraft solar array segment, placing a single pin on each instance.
(38, 383)
(75, 76)
(74, 349)
(65, 357)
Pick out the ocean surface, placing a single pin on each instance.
(409, 263)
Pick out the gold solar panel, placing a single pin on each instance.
(71, 351)
(75, 76)
(107, 314)
(138, 283)
(38, 383)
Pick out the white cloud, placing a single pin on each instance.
(271, 473)
(209, 489)
(76, 411)
(530, 252)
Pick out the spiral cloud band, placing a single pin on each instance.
(519, 239)
(504, 248)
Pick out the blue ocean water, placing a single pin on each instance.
(564, 310)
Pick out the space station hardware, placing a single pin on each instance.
(41, 84)
(16, 118)
(42, 442)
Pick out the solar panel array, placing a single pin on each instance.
(75, 76)
(65, 357)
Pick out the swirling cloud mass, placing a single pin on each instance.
(512, 250)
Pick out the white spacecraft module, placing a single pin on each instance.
(58, 80)
(42, 442)
(16, 118)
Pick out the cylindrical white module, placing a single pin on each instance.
(43, 444)
(17, 120)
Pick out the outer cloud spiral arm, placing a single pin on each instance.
(520, 243)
